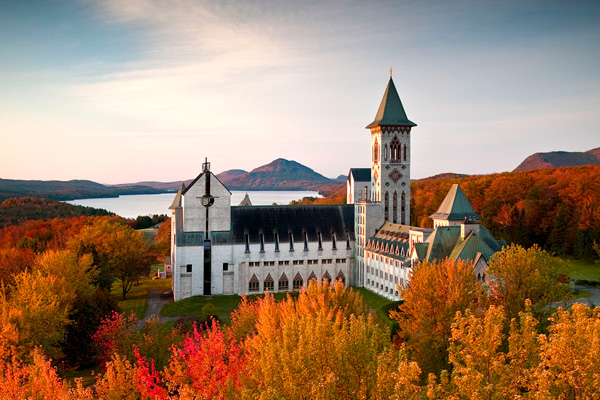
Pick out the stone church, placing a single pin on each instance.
(217, 248)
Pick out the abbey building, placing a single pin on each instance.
(217, 248)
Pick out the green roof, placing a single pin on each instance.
(467, 249)
(455, 207)
(391, 112)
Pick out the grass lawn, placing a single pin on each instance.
(136, 299)
(380, 304)
(148, 234)
(584, 269)
(86, 376)
(224, 305)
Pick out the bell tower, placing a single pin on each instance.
(390, 157)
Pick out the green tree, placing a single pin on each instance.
(517, 274)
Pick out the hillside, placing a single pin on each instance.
(163, 186)
(555, 159)
(15, 211)
(66, 190)
(280, 174)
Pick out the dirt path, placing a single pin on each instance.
(155, 303)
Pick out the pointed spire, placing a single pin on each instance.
(391, 112)
(246, 201)
(177, 200)
(455, 207)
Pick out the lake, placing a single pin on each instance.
(149, 204)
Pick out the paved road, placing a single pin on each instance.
(155, 304)
(593, 300)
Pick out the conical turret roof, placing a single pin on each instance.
(455, 206)
(391, 112)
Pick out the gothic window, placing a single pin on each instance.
(305, 241)
(395, 150)
(276, 241)
(262, 242)
(312, 277)
(297, 284)
(284, 283)
(247, 240)
(348, 241)
(333, 241)
(269, 283)
(387, 206)
(405, 152)
(376, 151)
(385, 152)
(395, 207)
(253, 284)
(340, 277)
(327, 277)
(291, 241)
(320, 240)
(403, 209)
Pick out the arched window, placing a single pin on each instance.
(312, 277)
(395, 149)
(403, 209)
(387, 206)
(376, 151)
(253, 285)
(326, 277)
(284, 283)
(269, 283)
(395, 208)
(405, 152)
(340, 277)
(385, 152)
(297, 284)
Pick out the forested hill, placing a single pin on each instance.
(555, 159)
(557, 208)
(15, 211)
(66, 190)
(279, 174)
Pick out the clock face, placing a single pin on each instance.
(395, 175)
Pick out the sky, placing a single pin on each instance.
(123, 91)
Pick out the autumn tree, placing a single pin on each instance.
(517, 274)
(436, 292)
(128, 256)
(162, 241)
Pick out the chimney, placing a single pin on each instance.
(468, 226)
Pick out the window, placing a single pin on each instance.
(247, 240)
(320, 240)
(395, 149)
(188, 268)
(376, 151)
(286, 262)
(305, 241)
(347, 241)
(387, 206)
(276, 241)
(395, 207)
(405, 152)
(269, 283)
(312, 277)
(297, 284)
(297, 262)
(340, 277)
(402, 209)
(291, 241)
(225, 266)
(327, 277)
(284, 283)
(253, 285)
(262, 242)
(333, 241)
(385, 152)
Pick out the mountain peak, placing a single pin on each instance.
(555, 159)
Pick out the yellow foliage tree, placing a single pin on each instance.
(436, 292)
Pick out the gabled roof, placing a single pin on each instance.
(442, 242)
(360, 174)
(200, 176)
(455, 207)
(177, 200)
(391, 112)
(468, 248)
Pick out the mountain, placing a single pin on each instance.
(280, 174)
(341, 179)
(555, 159)
(66, 190)
(164, 186)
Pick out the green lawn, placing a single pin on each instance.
(136, 299)
(224, 305)
(148, 234)
(381, 306)
(584, 269)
